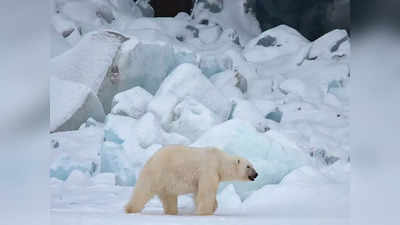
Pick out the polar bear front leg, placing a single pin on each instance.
(170, 203)
(141, 195)
(206, 194)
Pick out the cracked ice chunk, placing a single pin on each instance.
(146, 65)
(88, 63)
(75, 150)
(118, 128)
(188, 80)
(191, 119)
(275, 115)
(333, 44)
(148, 131)
(210, 34)
(233, 14)
(114, 159)
(272, 155)
(174, 139)
(245, 110)
(294, 86)
(71, 104)
(132, 102)
(232, 84)
(149, 57)
(162, 106)
(278, 41)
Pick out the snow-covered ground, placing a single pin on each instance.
(123, 85)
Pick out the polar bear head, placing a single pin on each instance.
(244, 169)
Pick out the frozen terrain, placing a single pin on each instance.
(124, 84)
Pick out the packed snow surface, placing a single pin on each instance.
(125, 84)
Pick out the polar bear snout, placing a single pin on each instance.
(253, 174)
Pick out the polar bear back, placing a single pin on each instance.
(176, 169)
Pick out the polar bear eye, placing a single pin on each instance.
(248, 167)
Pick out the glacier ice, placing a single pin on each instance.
(294, 86)
(171, 138)
(89, 63)
(71, 104)
(275, 115)
(162, 107)
(271, 158)
(210, 34)
(232, 84)
(76, 150)
(191, 119)
(147, 65)
(188, 80)
(245, 110)
(281, 40)
(132, 102)
(148, 130)
(233, 15)
(102, 14)
(150, 56)
(114, 159)
(118, 128)
(260, 88)
(334, 44)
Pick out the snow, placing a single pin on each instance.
(293, 201)
(71, 104)
(296, 203)
(103, 179)
(188, 80)
(228, 200)
(298, 191)
(132, 102)
(77, 178)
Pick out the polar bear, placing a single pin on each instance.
(175, 170)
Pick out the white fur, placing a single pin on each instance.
(175, 170)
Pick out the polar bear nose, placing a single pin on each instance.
(253, 175)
